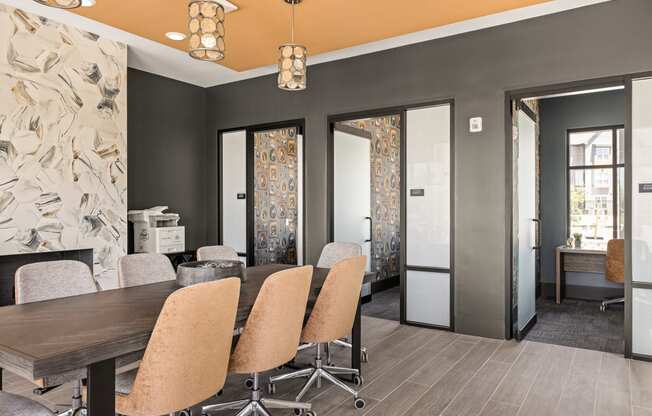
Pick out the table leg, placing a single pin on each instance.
(0, 379)
(356, 341)
(101, 389)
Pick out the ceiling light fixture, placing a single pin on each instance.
(206, 27)
(292, 61)
(175, 36)
(61, 4)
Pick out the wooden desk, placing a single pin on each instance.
(569, 259)
(58, 336)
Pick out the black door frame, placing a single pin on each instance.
(249, 132)
(402, 112)
(590, 84)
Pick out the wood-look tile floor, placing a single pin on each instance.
(415, 371)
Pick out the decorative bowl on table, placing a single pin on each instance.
(194, 272)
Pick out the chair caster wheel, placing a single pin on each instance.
(271, 388)
(249, 383)
(80, 412)
(219, 393)
(603, 308)
(301, 412)
(358, 381)
(183, 413)
(359, 403)
(364, 357)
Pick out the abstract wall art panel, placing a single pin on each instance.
(63, 141)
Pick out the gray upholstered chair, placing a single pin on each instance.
(331, 254)
(13, 405)
(49, 280)
(216, 253)
(335, 252)
(144, 269)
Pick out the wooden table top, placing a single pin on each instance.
(53, 337)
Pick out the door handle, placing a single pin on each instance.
(371, 229)
(537, 233)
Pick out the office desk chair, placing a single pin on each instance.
(53, 280)
(270, 339)
(217, 253)
(332, 318)
(186, 359)
(330, 255)
(144, 269)
(13, 405)
(615, 269)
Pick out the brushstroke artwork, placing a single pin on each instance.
(63, 141)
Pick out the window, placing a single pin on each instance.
(596, 177)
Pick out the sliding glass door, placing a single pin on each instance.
(428, 179)
(640, 248)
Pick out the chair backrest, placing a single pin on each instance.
(334, 312)
(273, 330)
(616, 261)
(186, 360)
(48, 280)
(335, 252)
(216, 253)
(144, 269)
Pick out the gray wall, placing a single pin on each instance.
(475, 69)
(558, 115)
(167, 127)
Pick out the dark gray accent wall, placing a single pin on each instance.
(476, 69)
(558, 115)
(167, 128)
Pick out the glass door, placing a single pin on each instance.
(640, 248)
(352, 188)
(233, 185)
(428, 178)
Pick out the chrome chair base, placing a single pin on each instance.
(257, 405)
(318, 373)
(607, 302)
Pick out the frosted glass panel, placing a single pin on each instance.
(352, 196)
(428, 298)
(428, 187)
(642, 180)
(234, 182)
(526, 214)
(642, 321)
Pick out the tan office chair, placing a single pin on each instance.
(144, 269)
(13, 405)
(331, 254)
(332, 318)
(216, 253)
(270, 338)
(49, 280)
(186, 360)
(615, 269)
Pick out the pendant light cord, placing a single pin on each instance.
(293, 3)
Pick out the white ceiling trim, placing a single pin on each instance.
(154, 57)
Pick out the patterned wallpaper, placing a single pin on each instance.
(63, 141)
(385, 191)
(276, 196)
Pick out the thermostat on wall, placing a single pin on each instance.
(475, 124)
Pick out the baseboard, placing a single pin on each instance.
(582, 292)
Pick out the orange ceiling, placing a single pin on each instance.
(254, 32)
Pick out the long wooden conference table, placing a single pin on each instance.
(45, 339)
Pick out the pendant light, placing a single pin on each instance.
(206, 27)
(292, 61)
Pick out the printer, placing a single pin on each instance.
(156, 231)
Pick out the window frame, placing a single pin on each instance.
(614, 166)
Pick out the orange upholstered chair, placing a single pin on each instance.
(615, 269)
